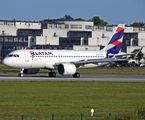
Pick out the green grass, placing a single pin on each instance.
(70, 97)
(4, 69)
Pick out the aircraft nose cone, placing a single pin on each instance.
(5, 62)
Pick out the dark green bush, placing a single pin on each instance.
(132, 115)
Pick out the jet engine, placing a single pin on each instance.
(66, 69)
(31, 71)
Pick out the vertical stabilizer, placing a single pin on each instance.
(114, 44)
(137, 55)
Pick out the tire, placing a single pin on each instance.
(76, 75)
(52, 74)
(20, 75)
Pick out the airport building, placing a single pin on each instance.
(64, 34)
(76, 34)
(16, 34)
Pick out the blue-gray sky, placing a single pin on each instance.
(111, 11)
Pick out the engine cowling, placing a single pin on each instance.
(66, 69)
(31, 71)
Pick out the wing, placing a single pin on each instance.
(91, 61)
(88, 61)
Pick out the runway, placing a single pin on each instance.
(84, 77)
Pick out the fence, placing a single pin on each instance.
(62, 116)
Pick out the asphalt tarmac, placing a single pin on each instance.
(84, 77)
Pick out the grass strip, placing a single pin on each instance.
(69, 97)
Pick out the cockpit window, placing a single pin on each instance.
(13, 55)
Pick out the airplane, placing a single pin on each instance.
(66, 62)
(138, 53)
(124, 55)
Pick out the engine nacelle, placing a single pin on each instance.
(66, 69)
(31, 71)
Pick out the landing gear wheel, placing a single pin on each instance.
(21, 72)
(20, 75)
(52, 74)
(76, 75)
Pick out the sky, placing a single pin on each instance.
(111, 11)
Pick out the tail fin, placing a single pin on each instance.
(137, 55)
(114, 44)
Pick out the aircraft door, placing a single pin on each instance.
(26, 56)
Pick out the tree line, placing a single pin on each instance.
(98, 21)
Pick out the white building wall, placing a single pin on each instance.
(128, 29)
(79, 25)
(99, 41)
(55, 26)
(7, 30)
(42, 40)
(28, 25)
(7, 23)
(141, 39)
(54, 33)
(53, 40)
(85, 47)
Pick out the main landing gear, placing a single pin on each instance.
(76, 75)
(52, 74)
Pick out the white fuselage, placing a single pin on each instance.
(48, 58)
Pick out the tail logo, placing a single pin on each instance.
(32, 53)
(115, 43)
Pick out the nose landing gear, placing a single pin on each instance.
(21, 74)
